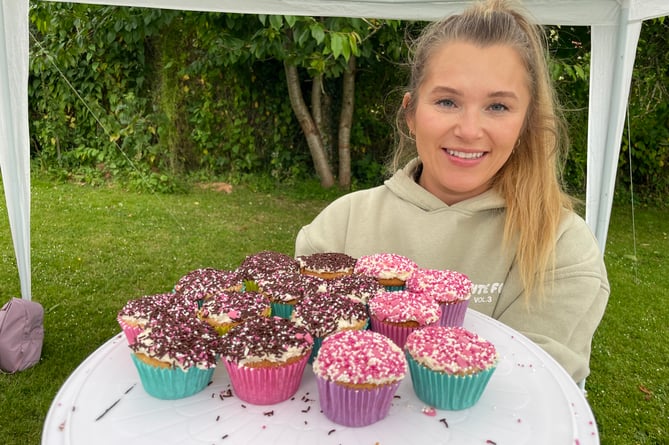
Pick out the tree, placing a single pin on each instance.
(324, 48)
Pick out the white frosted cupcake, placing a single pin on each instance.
(226, 310)
(200, 284)
(175, 356)
(136, 313)
(265, 358)
(326, 265)
(325, 314)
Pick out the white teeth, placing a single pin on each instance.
(463, 155)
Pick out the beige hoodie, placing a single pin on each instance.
(402, 217)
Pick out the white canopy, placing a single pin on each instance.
(615, 24)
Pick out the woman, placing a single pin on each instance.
(483, 196)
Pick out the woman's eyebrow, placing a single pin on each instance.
(503, 94)
(442, 89)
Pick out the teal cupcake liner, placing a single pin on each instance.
(444, 391)
(282, 310)
(172, 383)
(318, 341)
(394, 288)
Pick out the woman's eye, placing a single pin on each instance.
(445, 103)
(498, 107)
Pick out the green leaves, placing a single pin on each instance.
(317, 32)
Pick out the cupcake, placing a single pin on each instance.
(358, 373)
(450, 366)
(284, 290)
(265, 359)
(200, 284)
(226, 310)
(137, 312)
(450, 289)
(325, 314)
(327, 265)
(396, 314)
(390, 269)
(356, 287)
(175, 356)
(266, 264)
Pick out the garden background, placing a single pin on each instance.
(142, 121)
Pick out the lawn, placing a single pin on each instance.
(95, 248)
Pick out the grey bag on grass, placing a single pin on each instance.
(21, 334)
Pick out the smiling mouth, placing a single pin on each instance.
(465, 155)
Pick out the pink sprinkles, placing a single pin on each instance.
(454, 350)
(444, 285)
(360, 357)
(385, 265)
(403, 306)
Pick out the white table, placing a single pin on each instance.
(530, 399)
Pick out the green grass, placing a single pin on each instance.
(94, 248)
(629, 387)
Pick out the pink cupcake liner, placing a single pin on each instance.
(266, 386)
(453, 313)
(355, 407)
(130, 331)
(398, 334)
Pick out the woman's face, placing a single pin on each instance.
(469, 113)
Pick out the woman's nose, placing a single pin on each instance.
(469, 124)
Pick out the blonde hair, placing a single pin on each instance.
(530, 181)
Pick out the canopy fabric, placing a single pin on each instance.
(14, 137)
(615, 24)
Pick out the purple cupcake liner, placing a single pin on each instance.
(266, 386)
(453, 313)
(355, 407)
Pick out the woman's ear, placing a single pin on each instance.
(406, 99)
(408, 116)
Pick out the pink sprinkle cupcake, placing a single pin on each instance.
(358, 373)
(450, 366)
(396, 314)
(450, 289)
(390, 269)
(265, 359)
